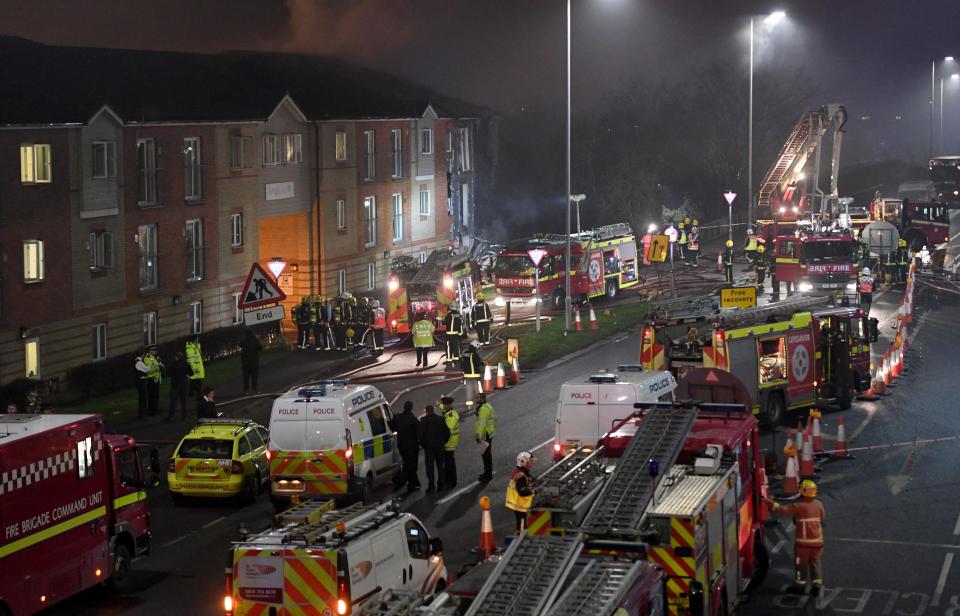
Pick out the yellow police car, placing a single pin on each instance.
(220, 457)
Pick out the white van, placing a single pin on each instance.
(590, 405)
(331, 440)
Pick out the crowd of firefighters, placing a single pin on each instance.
(339, 323)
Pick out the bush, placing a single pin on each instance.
(17, 392)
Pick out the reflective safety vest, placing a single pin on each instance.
(728, 256)
(807, 518)
(471, 365)
(452, 419)
(683, 237)
(751, 243)
(153, 367)
(486, 422)
(866, 284)
(514, 500)
(195, 359)
(453, 324)
(422, 334)
(379, 318)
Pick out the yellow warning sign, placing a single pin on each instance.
(659, 245)
(738, 297)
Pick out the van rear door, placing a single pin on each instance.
(287, 436)
(616, 403)
(578, 420)
(326, 458)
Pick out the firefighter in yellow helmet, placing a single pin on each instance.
(481, 316)
(808, 516)
(728, 262)
(682, 241)
(903, 260)
(760, 265)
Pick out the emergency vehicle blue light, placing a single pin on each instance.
(654, 468)
(312, 392)
(340, 382)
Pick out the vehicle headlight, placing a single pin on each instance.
(499, 301)
(805, 286)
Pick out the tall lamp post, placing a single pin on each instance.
(567, 195)
(953, 77)
(770, 20)
(933, 87)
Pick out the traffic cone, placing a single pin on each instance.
(488, 543)
(501, 376)
(487, 380)
(764, 495)
(806, 459)
(791, 479)
(515, 370)
(817, 436)
(885, 369)
(789, 441)
(904, 339)
(907, 311)
(593, 319)
(840, 451)
(878, 385)
(798, 437)
(871, 393)
(578, 322)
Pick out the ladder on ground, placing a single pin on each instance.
(570, 479)
(795, 150)
(619, 508)
(599, 589)
(527, 578)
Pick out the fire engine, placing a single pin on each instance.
(441, 281)
(816, 259)
(74, 510)
(920, 223)
(945, 176)
(793, 354)
(606, 259)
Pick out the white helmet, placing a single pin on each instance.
(866, 271)
(525, 459)
(375, 303)
(475, 344)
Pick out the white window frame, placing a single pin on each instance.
(240, 150)
(370, 221)
(292, 148)
(371, 276)
(271, 150)
(340, 146)
(341, 214)
(193, 232)
(449, 141)
(100, 247)
(104, 155)
(196, 318)
(85, 462)
(147, 172)
(370, 156)
(426, 141)
(237, 310)
(397, 200)
(396, 139)
(31, 358)
(465, 162)
(236, 229)
(35, 163)
(99, 341)
(425, 202)
(341, 281)
(149, 328)
(192, 169)
(34, 266)
(147, 250)
(423, 256)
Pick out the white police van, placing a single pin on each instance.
(589, 406)
(331, 440)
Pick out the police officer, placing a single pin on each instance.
(728, 262)
(140, 372)
(422, 331)
(452, 418)
(760, 266)
(154, 377)
(682, 241)
(520, 490)
(865, 288)
(197, 372)
(693, 245)
(453, 326)
(378, 322)
(483, 433)
(481, 319)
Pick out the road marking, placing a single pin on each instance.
(458, 492)
(948, 546)
(938, 592)
(956, 527)
(177, 540)
(211, 523)
(543, 444)
(777, 547)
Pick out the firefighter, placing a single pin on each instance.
(350, 320)
(682, 241)
(154, 377)
(865, 288)
(363, 320)
(453, 330)
(903, 260)
(378, 322)
(750, 247)
(471, 363)
(295, 319)
(422, 331)
(808, 516)
(890, 266)
(452, 418)
(314, 319)
(728, 262)
(338, 324)
(693, 246)
(321, 333)
(520, 490)
(303, 323)
(483, 432)
(197, 372)
(760, 266)
(481, 319)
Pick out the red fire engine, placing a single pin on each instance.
(606, 260)
(430, 290)
(920, 223)
(74, 510)
(816, 260)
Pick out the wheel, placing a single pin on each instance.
(773, 412)
(120, 577)
(761, 564)
(612, 289)
(557, 300)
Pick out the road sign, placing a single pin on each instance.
(260, 289)
(738, 297)
(658, 248)
(729, 196)
(276, 268)
(536, 255)
(263, 315)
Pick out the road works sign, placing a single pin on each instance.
(260, 289)
(263, 315)
(738, 297)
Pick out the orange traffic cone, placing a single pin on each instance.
(789, 441)
(791, 480)
(501, 376)
(593, 319)
(885, 369)
(487, 380)
(879, 386)
(806, 459)
(907, 312)
(871, 393)
(817, 436)
(840, 451)
(798, 437)
(904, 339)
(764, 495)
(578, 322)
(515, 370)
(488, 543)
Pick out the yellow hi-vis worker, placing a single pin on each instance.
(452, 418)
(197, 372)
(422, 331)
(520, 491)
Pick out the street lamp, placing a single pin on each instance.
(953, 77)
(770, 20)
(566, 282)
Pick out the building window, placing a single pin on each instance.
(237, 310)
(31, 358)
(370, 220)
(104, 159)
(146, 171)
(193, 170)
(423, 256)
(147, 255)
(149, 328)
(397, 217)
(396, 137)
(341, 281)
(194, 233)
(85, 462)
(100, 245)
(371, 276)
(196, 318)
(465, 149)
(340, 147)
(99, 341)
(35, 163)
(341, 214)
(241, 152)
(271, 150)
(425, 202)
(426, 141)
(236, 229)
(292, 148)
(369, 156)
(33, 261)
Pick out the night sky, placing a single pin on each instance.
(872, 55)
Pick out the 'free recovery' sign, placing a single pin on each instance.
(739, 297)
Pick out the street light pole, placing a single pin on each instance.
(933, 81)
(750, 137)
(941, 115)
(566, 277)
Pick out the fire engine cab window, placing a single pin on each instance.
(773, 360)
(417, 540)
(127, 468)
(508, 266)
(85, 457)
(378, 422)
(827, 252)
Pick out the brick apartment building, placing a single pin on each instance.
(134, 198)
